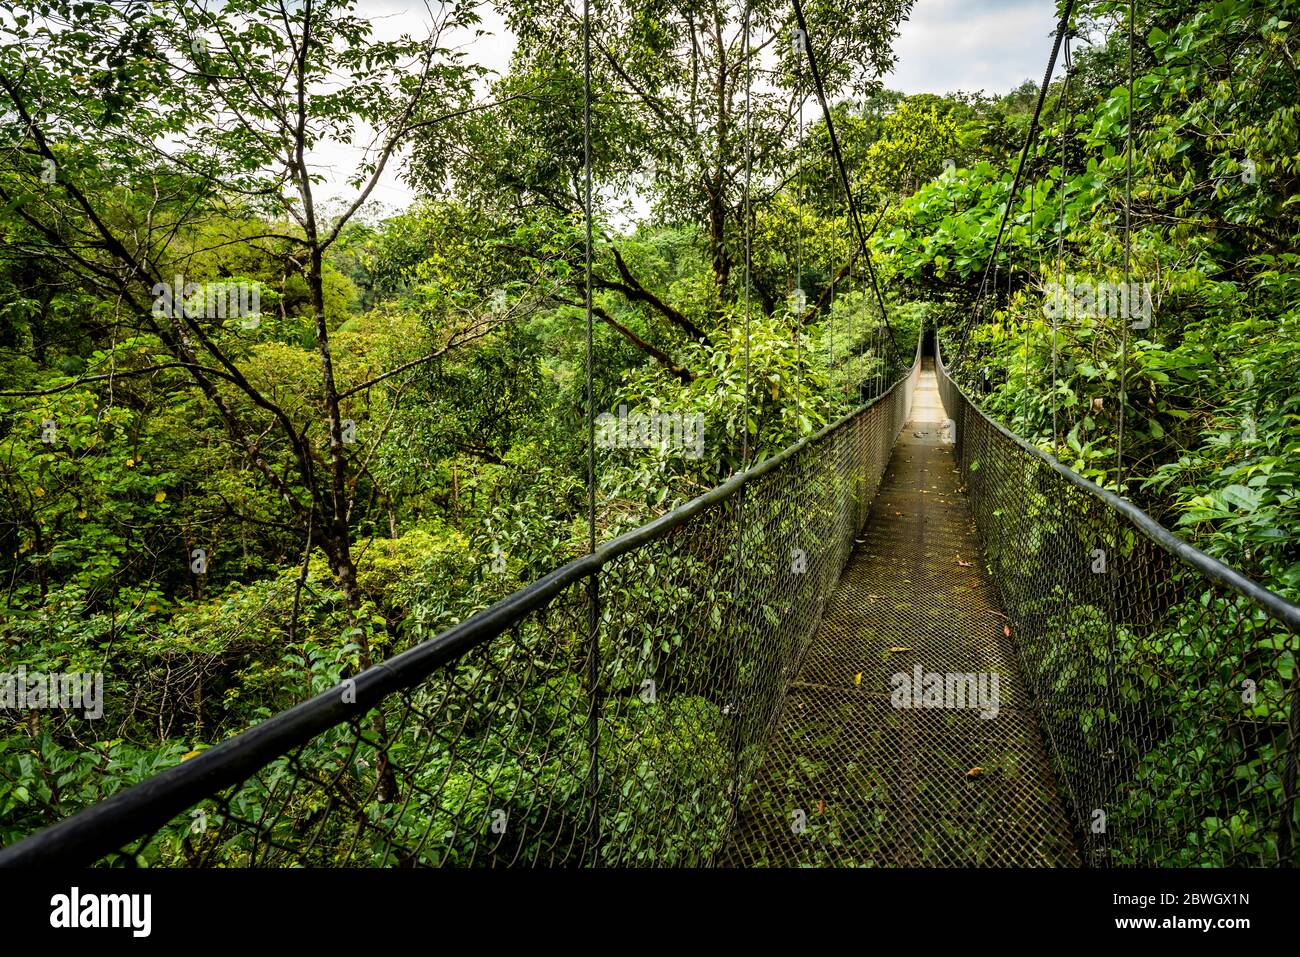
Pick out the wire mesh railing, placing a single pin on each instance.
(1165, 682)
(520, 737)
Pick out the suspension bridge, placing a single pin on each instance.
(910, 639)
(936, 542)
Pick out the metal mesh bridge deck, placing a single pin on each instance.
(852, 779)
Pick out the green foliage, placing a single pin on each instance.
(451, 338)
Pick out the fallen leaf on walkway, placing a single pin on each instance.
(974, 772)
(898, 649)
(1006, 630)
(857, 679)
(964, 564)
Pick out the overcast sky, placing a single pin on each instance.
(946, 45)
(991, 45)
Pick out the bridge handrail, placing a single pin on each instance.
(109, 825)
(1149, 661)
(1277, 606)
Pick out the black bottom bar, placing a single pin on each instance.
(952, 911)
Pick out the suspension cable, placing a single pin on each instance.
(1061, 29)
(800, 298)
(734, 703)
(830, 362)
(593, 581)
(1116, 556)
(749, 232)
(820, 90)
(586, 208)
(1031, 267)
(1060, 238)
(1128, 254)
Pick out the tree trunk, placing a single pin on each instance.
(717, 239)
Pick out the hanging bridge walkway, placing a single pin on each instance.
(796, 668)
(917, 785)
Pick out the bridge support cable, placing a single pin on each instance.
(798, 300)
(820, 89)
(734, 692)
(1128, 257)
(593, 580)
(1115, 557)
(1066, 118)
(1062, 28)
